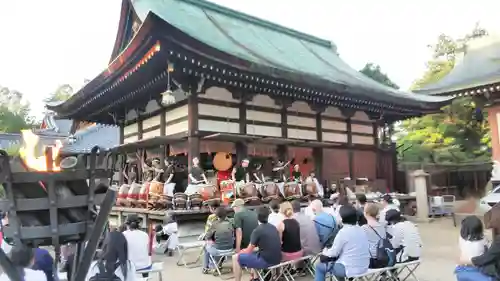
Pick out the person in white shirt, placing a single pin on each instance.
(471, 241)
(114, 259)
(275, 217)
(387, 204)
(167, 236)
(22, 258)
(138, 244)
(405, 237)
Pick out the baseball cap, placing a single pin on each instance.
(238, 203)
(392, 215)
(133, 218)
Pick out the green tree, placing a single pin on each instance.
(14, 114)
(62, 93)
(374, 72)
(460, 133)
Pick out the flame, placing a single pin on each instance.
(28, 153)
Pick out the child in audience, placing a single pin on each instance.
(275, 217)
(471, 241)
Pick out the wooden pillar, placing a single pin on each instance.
(241, 146)
(282, 149)
(163, 147)
(318, 151)
(121, 177)
(348, 114)
(377, 148)
(193, 138)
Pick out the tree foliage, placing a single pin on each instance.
(375, 72)
(14, 112)
(460, 133)
(62, 93)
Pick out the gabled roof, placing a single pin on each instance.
(236, 41)
(265, 43)
(104, 136)
(480, 66)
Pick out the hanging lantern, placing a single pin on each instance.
(167, 96)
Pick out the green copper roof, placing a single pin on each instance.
(480, 66)
(267, 44)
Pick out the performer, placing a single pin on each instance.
(279, 171)
(168, 175)
(258, 175)
(241, 172)
(296, 174)
(196, 176)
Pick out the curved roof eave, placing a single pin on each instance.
(109, 75)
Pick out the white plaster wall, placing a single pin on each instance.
(259, 130)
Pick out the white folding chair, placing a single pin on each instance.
(156, 268)
(402, 271)
(219, 260)
(183, 247)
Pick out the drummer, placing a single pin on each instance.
(279, 172)
(196, 173)
(241, 172)
(258, 175)
(296, 174)
(168, 176)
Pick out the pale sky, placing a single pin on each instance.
(52, 42)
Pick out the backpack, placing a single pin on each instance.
(102, 275)
(333, 233)
(386, 254)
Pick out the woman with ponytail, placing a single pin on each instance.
(113, 263)
(289, 229)
(22, 258)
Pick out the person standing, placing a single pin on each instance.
(138, 244)
(245, 222)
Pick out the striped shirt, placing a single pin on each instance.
(405, 236)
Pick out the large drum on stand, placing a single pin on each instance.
(291, 191)
(133, 194)
(269, 191)
(209, 194)
(155, 200)
(310, 191)
(248, 192)
(121, 199)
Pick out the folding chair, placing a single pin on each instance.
(183, 247)
(398, 269)
(310, 264)
(276, 272)
(156, 268)
(219, 260)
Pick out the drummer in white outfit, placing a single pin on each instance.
(196, 177)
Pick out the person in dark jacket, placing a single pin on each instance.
(44, 262)
(485, 267)
(360, 206)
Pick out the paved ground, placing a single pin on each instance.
(440, 240)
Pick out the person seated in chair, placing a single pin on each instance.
(275, 217)
(289, 229)
(349, 254)
(405, 237)
(325, 223)
(220, 239)
(166, 235)
(267, 239)
(375, 232)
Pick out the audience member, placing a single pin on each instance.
(167, 235)
(212, 217)
(113, 262)
(4, 243)
(22, 258)
(44, 262)
(325, 223)
(275, 217)
(376, 233)
(309, 238)
(267, 239)
(405, 237)
(349, 254)
(471, 244)
(289, 230)
(484, 267)
(220, 239)
(138, 243)
(361, 202)
(387, 204)
(245, 221)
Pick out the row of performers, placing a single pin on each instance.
(163, 188)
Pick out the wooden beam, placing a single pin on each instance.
(193, 138)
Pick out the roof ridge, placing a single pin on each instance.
(204, 4)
